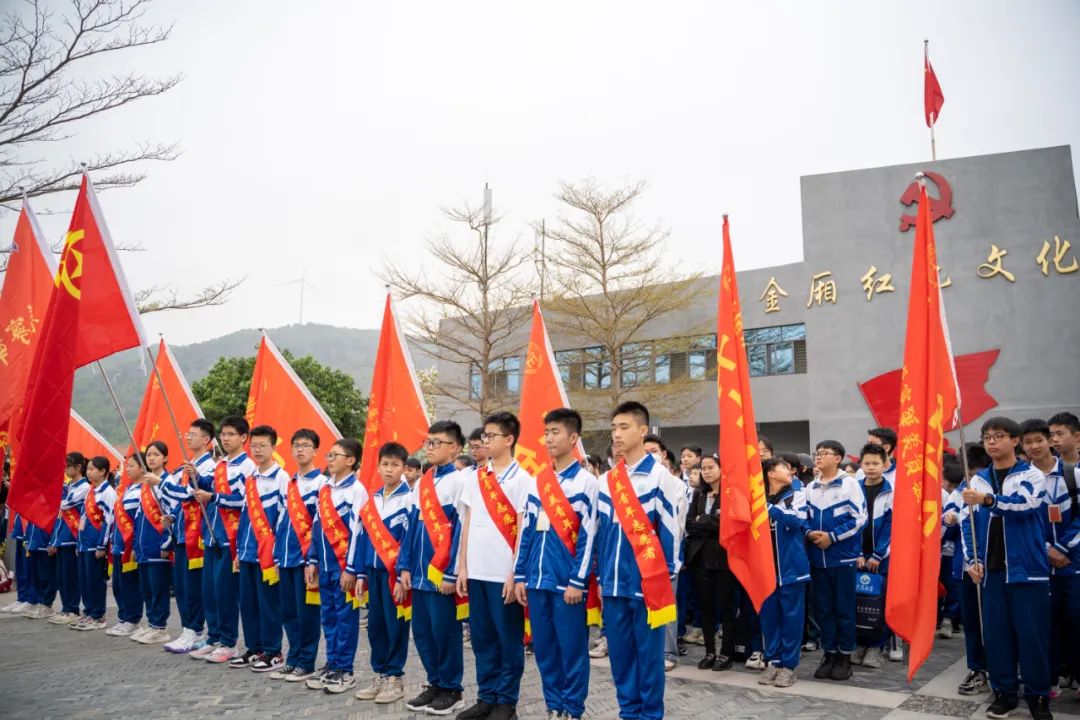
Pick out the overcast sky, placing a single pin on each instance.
(326, 135)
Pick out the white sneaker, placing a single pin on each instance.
(15, 607)
(896, 650)
(756, 661)
(600, 649)
(199, 642)
(64, 618)
(121, 629)
(944, 630)
(138, 632)
(154, 635)
(222, 655)
(204, 651)
(872, 658)
(31, 610)
(393, 689)
(371, 690)
(183, 643)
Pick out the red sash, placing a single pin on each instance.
(71, 519)
(229, 516)
(126, 526)
(387, 548)
(301, 523)
(336, 532)
(93, 512)
(193, 542)
(639, 532)
(566, 524)
(260, 526)
(500, 509)
(150, 507)
(437, 527)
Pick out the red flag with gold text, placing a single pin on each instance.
(85, 439)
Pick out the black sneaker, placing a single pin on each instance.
(841, 669)
(504, 712)
(1002, 706)
(339, 682)
(1039, 707)
(245, 660)
(480, 711)
(706, 662)
(974, 683)
(267, 663)
(723, 662)
(446, 702)
(824, 670)
(425, 698)
(680, 648)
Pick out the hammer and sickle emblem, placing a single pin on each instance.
(940, 207)
(534, 360)
(71, 264)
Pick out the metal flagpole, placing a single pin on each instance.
(926, 65)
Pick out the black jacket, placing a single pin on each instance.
(703, 534)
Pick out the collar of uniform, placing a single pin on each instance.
(885, 486)
(570, 471)
(79, 482)
(402, 489)
(644, 466)
(104, 484)
(238, 459)
(164, 474)
(892, 466)
(443, 470)
(349, 480)
(315, 472)
(511, 468)
(203, 458)
(839, 479)
(274, 468)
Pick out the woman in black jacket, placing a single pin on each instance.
(715, 583)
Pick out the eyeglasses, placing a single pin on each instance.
(334, 455)
(434, 443)
(488, 437)
(994, 438)
(823, 453)
(303, 446)
(261, 446)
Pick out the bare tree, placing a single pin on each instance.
(158, 299)
(611, 284)
(473, 303)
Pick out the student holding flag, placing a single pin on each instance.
(93, 537)
(379, 529)
(340, 498)
(64, 541)
(640, 511)
(490, 506)
(428, 566)
(153, 546)
(553, 564)
(299, 601)
(125, 575)
(260, 598)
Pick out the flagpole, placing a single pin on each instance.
(926, 61)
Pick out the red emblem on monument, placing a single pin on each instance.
(940, 207)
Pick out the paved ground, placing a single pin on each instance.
(48, 671)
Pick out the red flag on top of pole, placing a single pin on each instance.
(91, 315)
(744, 517)
(933, 98)
(396, 409)
(280, 399)
(929, 400)
(85, 439)
(154, 422)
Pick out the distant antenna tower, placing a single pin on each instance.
(302, 282)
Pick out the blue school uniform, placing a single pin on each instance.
(299, 610)
(260, 599)
(783, 612)
(94, 571)
(187, 572)
(25, 590)
(66, 544)
(125, 579)
(152, 548)
(1063, 534)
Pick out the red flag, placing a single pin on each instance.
(928, 402)
(90, 316)
(396, 409)
(154, 422)
(744, 517)
(933, 99)
(85, 439)
(280, 399)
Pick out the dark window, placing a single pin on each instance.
(777, 350)
(503, 378)
(597, 369)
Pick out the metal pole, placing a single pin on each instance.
(933, 144)
(974, 535)
(926, 62)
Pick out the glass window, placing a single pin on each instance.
(793, 332)
(775, 350)
(758, 360)
(662, 373)
(597, 368)
(512, 368)
(782, 359)
(475, 382)
(635, 360)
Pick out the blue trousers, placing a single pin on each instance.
(1064, 625)
(437, 634)
(92, 580)
(969, 618)
(25, 591)
(1016, 621)
(44, 573)
(782, 616)
(749, 624)
(126, 592)
(387, 634)
(67, 578)
(637, 658)
(260, 610)
(220, 590)
(834, 607)
(498, 631)
(561, 644)
(154, 583)
(300, 619)
(340, 624)
(187, 585)
(950, 604)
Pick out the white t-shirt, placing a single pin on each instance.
(489, 557)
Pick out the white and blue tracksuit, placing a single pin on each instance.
(436, 629)
(66, 544)
(875, 541)
(1064, 536)
(125, 583)
(635, 649)
(560, 631)
(1011, 543)
(299, 618)
(836, 507)
(187, 581)
(970, 612)
(260, 602)
(94, 571)
(340, 618)
(42, 564)
(25, 590)
(783, 612)
(154, 569)
(387, 634)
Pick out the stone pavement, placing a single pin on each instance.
(48, 671)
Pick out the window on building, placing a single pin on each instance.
(777, 350)
(701, 359)
(503, 378)
(596, 368)
(635, 364)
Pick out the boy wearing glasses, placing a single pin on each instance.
(1003, 527)
(836, 514)
(428, 566)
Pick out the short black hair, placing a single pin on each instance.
(101, 463)
(766, 442)
(139, 457)
(977, 457)
(1035, 425)
(76, 459)
(1067, 419)
(352, 448)
(507, 422)
(477, 434)
(306, 434)
(204, 426)
(632, 407)
(1002, 423)
(265, 431)
(696, 449)
(792, 459)
(160, 447)
(887, 436)
(769, 464)
(394, 450)
(672, 459)
(594, 460)
(414, 463)
(874, 449)
(833, 445)
(237, 423)
(569, 419)
(654, 438)
(450, 429)
(467, 459)
(952, 471)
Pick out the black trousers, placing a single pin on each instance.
(716, 596)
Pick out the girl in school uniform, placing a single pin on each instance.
(64, 541)
(121, 534)
(153, 547)
(93, 565)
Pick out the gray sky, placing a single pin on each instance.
(327, 134)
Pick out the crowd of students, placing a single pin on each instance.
(477, 539)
